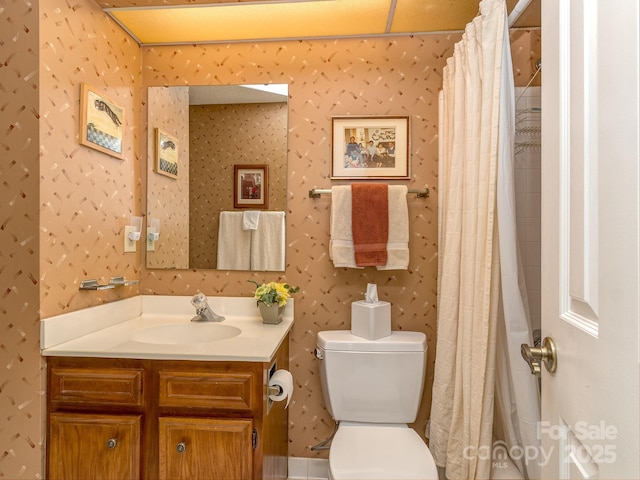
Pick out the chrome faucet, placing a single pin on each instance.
(203, 310)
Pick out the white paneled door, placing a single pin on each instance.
(590, 247)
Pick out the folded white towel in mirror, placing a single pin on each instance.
(234, 244)
(268, 243)
(250, 219)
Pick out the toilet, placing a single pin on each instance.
(372, 388)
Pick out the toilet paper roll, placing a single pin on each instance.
(283, 380)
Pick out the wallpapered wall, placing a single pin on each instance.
(399, 76)
(78, 200)
(168, 198)
(63, 205)
(21, 420)
(86, 196)
(222, 136)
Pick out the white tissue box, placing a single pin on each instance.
(371, 320)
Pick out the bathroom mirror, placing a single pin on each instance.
(196, 135)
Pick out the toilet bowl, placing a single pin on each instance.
(372, 388)
(379, 451)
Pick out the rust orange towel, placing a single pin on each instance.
(370, 223)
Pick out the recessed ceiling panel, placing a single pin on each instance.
(169, 3)
(432, 15)
(208, 21)
(197, 24)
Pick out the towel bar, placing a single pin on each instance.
(316, 192)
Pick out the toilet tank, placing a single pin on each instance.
(377, 381)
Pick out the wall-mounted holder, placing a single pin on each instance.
(271, 389)
(113, 283)
(132, 234)
(153, 234)
(121, 282)
(274, 390)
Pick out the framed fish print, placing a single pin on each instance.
(102, 122)
(166, 154)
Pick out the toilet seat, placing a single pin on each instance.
(379, 451)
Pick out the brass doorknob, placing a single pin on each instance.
(546, 354)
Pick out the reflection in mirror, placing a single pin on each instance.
(196, 136)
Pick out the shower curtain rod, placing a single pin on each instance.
(518, 9)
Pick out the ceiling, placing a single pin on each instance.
(154, 22)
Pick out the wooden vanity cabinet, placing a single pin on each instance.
(94, 446)
(164, 419)
(227, 443)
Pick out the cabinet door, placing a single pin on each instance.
(83, 446)
(205, 449)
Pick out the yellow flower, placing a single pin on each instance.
(273, 292)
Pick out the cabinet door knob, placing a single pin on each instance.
(111, 443)
(181, 447)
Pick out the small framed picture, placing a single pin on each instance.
(370, 147)
(101, 122)
(251, 186)
(166, 154)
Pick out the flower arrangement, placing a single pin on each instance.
(273, 292)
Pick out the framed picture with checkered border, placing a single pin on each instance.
(102, 122)
(166, 154)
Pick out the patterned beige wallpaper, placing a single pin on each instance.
(223, 136)
(526, 48)
(398, 76)
(21, 382)
(65, 205)
(86, 197)
(168, 197)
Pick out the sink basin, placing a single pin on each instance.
(185, 333)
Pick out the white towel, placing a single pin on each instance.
(398, 243)
(341, 243)
(234, 243)
(250, 219)
(268, 243)
(341, 249)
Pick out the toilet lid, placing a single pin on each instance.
(380, 451)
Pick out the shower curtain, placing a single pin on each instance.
(478, 288)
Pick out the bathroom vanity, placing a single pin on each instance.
(158, 414)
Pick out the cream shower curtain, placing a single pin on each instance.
(462, 412)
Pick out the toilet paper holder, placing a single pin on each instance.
(274, 390)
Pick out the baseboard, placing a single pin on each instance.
(301, 468)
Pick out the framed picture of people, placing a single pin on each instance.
(251, 186)
(370, 147)
(101, 122)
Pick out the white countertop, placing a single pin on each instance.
(109, 330)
